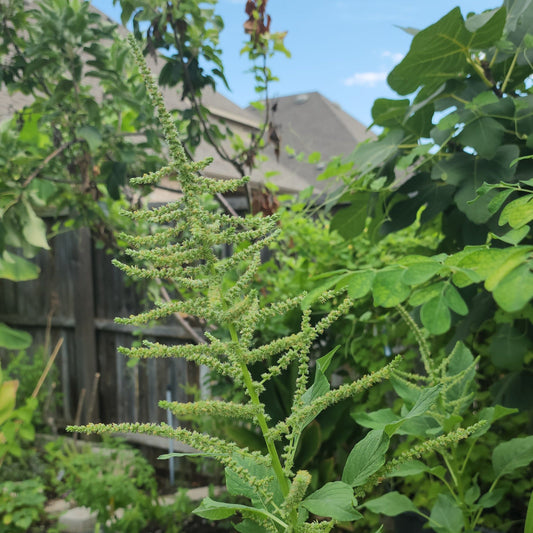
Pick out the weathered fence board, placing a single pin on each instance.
(78, 294)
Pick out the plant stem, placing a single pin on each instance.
(510, 71)
(276, 463)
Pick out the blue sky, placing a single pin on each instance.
(341, 48)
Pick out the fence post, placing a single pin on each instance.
(85, 332)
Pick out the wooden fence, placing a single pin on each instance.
(77, 296)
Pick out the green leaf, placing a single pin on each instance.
(376, 419)
(389, 288)
(446, 516)
(350, 221)
(391, 504)
(366, 457)
(513, 454)
(435, 315)
(16, 268)
(484, 135)
(34, 228)
(490, 499)
(436, 54)
(389, 113)
(91, 135)
(491, 415)
(14, 339)
(515, 290)
(314, 158)
(334, 500)
(309, 443)
(515, 236)
(314, 294)
(424, 294)
(418, 273)
(213, 510)
(410, 468)
(358, 284)
(518, 212)
(373, 154)
(454, 300)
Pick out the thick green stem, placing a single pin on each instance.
(254, 397)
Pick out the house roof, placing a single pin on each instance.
(310, 122)
(306, 122)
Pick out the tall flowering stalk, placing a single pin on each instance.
(219, 292)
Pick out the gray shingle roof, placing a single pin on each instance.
(309, 122)
(306, 122)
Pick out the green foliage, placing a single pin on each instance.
(15, 422)
(21, 504)
(107, 479)
(220, 292)
(455, 157)
(188, 33)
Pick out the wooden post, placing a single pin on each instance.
(85, 333)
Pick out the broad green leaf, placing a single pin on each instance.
(411, 468)
(358, 284)
(314, 294)
(518, 212)
(454, 300)
(425, 294)
(454, 170)
(435, 315)
(391, 504)
(515, 290)
(321, 384)
(490, 499)
(373, 154)
(334, 500)
(486, 28)
(484, 135)
(34, 228)
(14, 339)
(446, 516)
(498, 200)
(389, 113)
(515, 236)
(388, 288)
(213, 510)
(425, 400)
(376, 419)
(419, 273)
(461, 361)
(238, 485)
(440, 51)
(512, 261)
(491, 415)
(309, 443)
(91, 135)
(350, 221)
(513, 454)
(16, 268)
(366, 457)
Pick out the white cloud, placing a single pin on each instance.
(366, 79)
(395, 56)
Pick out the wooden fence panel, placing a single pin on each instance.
(78, 294)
